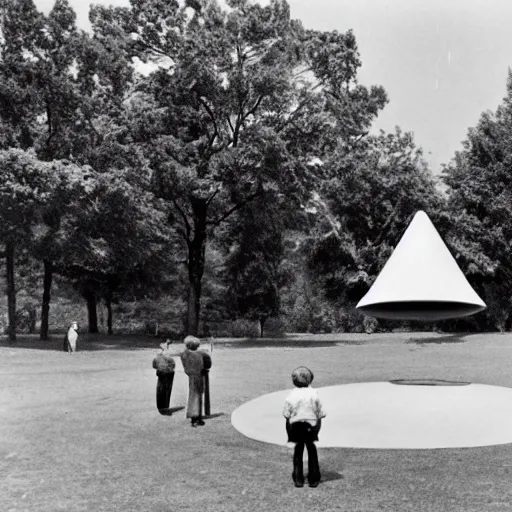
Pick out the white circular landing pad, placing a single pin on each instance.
(386, 415)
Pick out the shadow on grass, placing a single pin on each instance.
(87, 342)
(215, 415)
(170, 410)
(283, 343)
(428, 382)
(328, 476)
(448, 338)
(97, 342)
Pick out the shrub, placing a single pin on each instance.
(242, 328)
(274, 328)
(370, 325)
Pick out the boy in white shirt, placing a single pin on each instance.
(303, 412)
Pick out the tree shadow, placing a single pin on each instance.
(448, 338)
(86, 342)
(277, 343)
(170, 410)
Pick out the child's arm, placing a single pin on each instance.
(288, 409)
(319, 410)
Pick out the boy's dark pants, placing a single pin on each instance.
(163, 390)
(304, 434)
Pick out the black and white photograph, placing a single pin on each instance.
(255, 255)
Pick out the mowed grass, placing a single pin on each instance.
(81, 432)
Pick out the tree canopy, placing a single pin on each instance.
(479, 198)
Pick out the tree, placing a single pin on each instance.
(52, 242)
(20, 28)
(25, 185)
(38, 92)
(361, 213)
(222, 115)
(254, 265)
(81, 87)
(479, 192)
(68, 91)
(19, 25)
(107, 240)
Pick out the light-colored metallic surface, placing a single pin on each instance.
(421, 280)
(391, 416)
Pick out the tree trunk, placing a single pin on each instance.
(108, 303)
(307, 300)
(263, 319)
(508, 323)
(92, 311)
(45, 309)
(196, 254)
(11, 290)
(32, 320)
(194, 306)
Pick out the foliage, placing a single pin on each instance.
(254, 264)
(25, 184)
(234, 108)
(362, 212)
(21, 28)
(110, 235)
(479, 197)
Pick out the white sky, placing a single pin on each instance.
(442, 62)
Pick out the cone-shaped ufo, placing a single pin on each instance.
(421, 280)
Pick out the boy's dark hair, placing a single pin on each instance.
(302, 377)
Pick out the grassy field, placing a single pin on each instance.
(81, 432)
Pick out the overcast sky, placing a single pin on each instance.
(442, 62)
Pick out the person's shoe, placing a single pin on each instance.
(297, 481)
(200, 422)
(313, 484)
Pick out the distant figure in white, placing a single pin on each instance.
(71, 338)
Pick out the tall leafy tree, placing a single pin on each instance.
(82, 87)
(59, 101)
(255, 268)
(236, 106)
(63, 93)
(479, 182)
(361, 213)
(52, 240)
(20, 26)
(26, 184)
(107, 235)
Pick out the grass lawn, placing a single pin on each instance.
(81, 432)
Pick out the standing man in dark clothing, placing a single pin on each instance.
(164, 365)
(195, 364)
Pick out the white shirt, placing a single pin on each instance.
(303, 404)
(72, 335)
